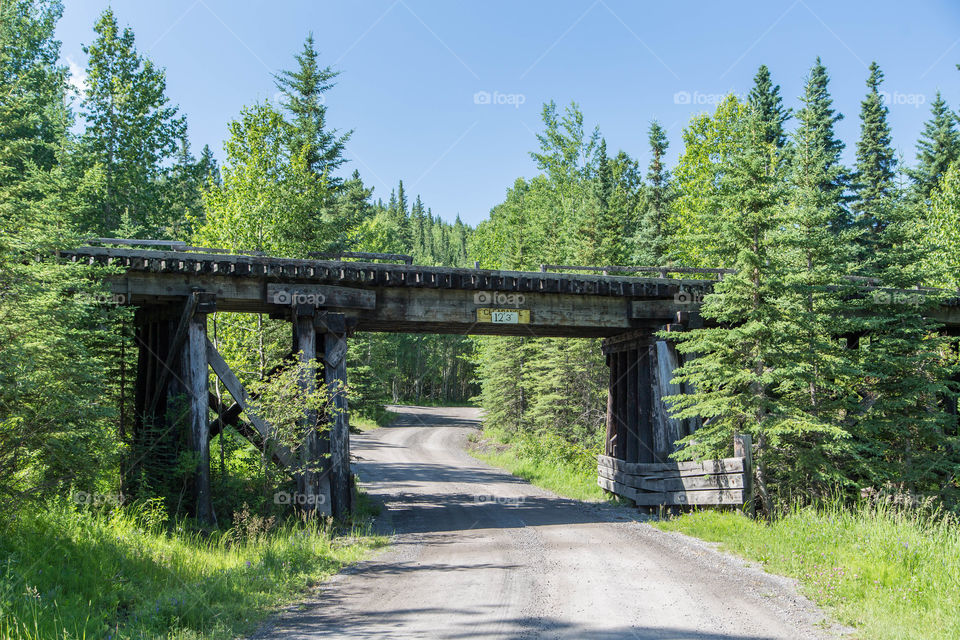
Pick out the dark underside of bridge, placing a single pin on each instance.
(327, 301)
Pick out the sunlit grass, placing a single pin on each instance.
(555, 466)
(67, 572)
(891, 574)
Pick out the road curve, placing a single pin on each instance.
(478, 553)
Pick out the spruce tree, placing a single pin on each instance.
(651, 244)
(816, 120)
(876, 164)
(732, 375)
(937, 149)
(765, 99)
(304, 93)
(132, 131)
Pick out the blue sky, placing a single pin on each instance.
(417, 74)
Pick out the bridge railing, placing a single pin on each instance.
(662, 272)
(179, 245)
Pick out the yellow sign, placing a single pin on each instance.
(504, 316)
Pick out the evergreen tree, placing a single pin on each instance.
(209, 169)
(732, 375)
(815, 131)
(937, 149)
(651, 241)
(876, 163)
(304, 96)
(131, 129)
(765, 99)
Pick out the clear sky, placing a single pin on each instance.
(446, 95)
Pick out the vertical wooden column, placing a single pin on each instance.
(335, 376)
(611, 432)
(623, 409)
(313, 482)
(743, 448)
(193, 358)
(632, 406)
(645, 421)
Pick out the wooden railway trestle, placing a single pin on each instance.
(325, 301)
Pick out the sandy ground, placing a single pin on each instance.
(478, 553)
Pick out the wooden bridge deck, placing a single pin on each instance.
(402, 298)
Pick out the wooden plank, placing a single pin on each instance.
(743, 448)
(673, 498)
(320, 295)
(335, 375)
(668, 430)
(313, 481)
(620, 406)
(174, 353)
(682, 483)
(610, 438)
(633, 409)
(240, 395)
(645, 449)
(195, 378)
(726, 465)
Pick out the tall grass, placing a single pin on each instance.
(546, 460)
(891, 573)
(69, 572)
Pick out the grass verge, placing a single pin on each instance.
(381, 417)
(71, 572)
(551, 465)
(890, 574)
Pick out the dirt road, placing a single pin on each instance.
(481, 554)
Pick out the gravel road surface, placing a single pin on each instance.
(478, 553)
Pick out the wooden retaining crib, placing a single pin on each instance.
(710, 482)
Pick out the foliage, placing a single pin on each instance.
(887, 571)
(74, 572)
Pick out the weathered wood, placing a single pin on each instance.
(320, 295)
(240, 395)
(195, 379)
(645, 446)
(673, 498)
(335, 375)
(313, 480)
(679, 483)
(633, 409)
(620, 394)
(743, 448)
(725, 465)
(361, 255)
(175, 350)
(611, 434)
(667, 430)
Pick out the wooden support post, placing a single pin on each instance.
(335, 376)
(743, 448)
(313, 480)
(645, 421)
(610, 440)
(632, 408)
(193, 359)
(621, 406)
